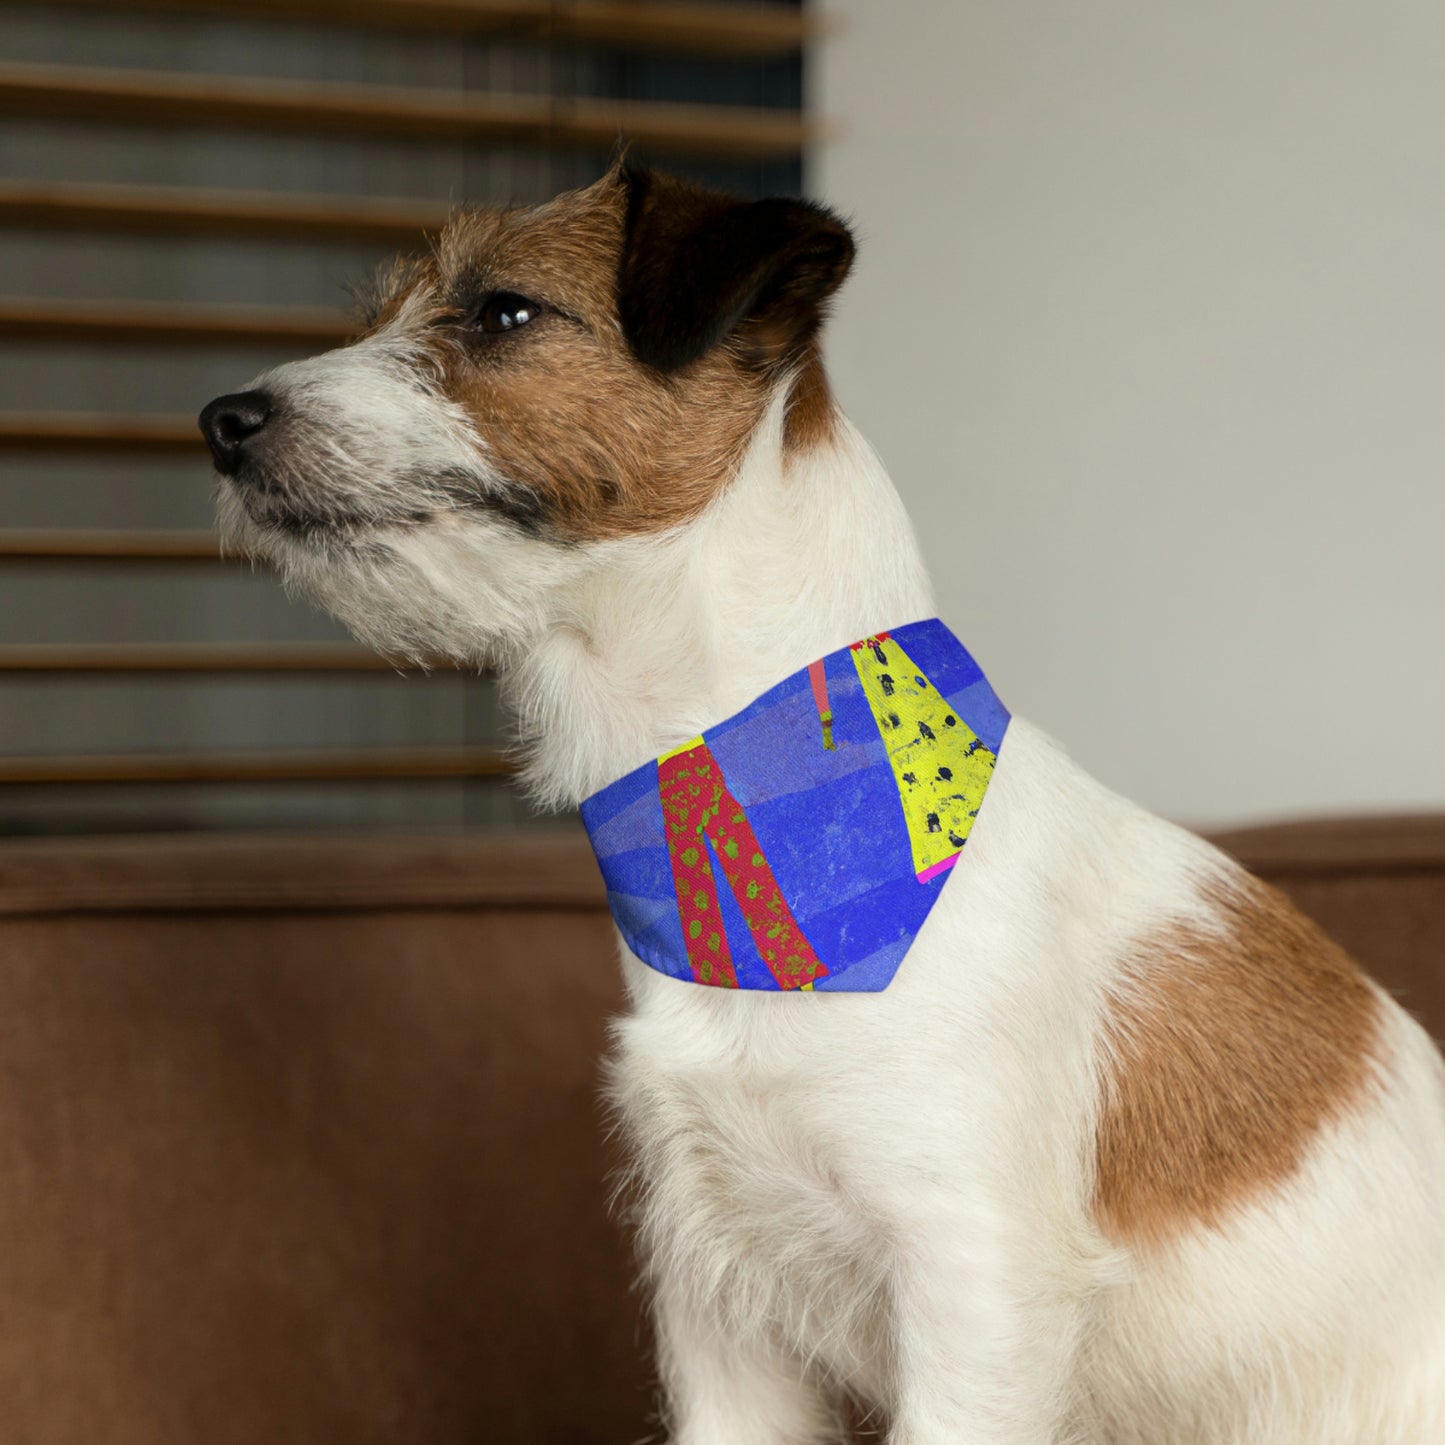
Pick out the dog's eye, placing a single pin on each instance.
(505, 311)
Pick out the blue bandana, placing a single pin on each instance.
(801, 843)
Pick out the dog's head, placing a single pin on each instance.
(546, 383)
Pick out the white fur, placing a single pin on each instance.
(889, 1194)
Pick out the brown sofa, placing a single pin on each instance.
(299, 1139)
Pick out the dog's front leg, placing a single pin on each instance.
(722, 1386)
(985, 1341)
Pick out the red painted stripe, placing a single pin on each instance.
(780, 942)
(689, 784)
(818, 677)
(695, 798)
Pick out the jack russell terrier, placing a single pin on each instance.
(955, 1085)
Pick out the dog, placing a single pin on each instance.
(1124, 1151)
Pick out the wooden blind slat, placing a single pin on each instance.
(708, 29)
(755, 31)
(168, 323)
(359, 764)
(180, 657)
(175, 211)
(160, 98)
(109, 546)
(94, 431)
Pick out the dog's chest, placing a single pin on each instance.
(752, 1192)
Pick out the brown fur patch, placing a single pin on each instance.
(595, 443)
(1228, 1052)
(812, 412)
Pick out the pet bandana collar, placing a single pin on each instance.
(832, 810)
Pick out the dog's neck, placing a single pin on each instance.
(663, 637)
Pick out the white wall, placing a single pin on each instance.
(1149, 324)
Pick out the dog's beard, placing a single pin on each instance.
(326, 491)
(450, 579)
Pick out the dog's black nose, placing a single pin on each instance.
(229, 422)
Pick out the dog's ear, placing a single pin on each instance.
(699, 267)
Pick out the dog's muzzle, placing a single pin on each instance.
(231, 424)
